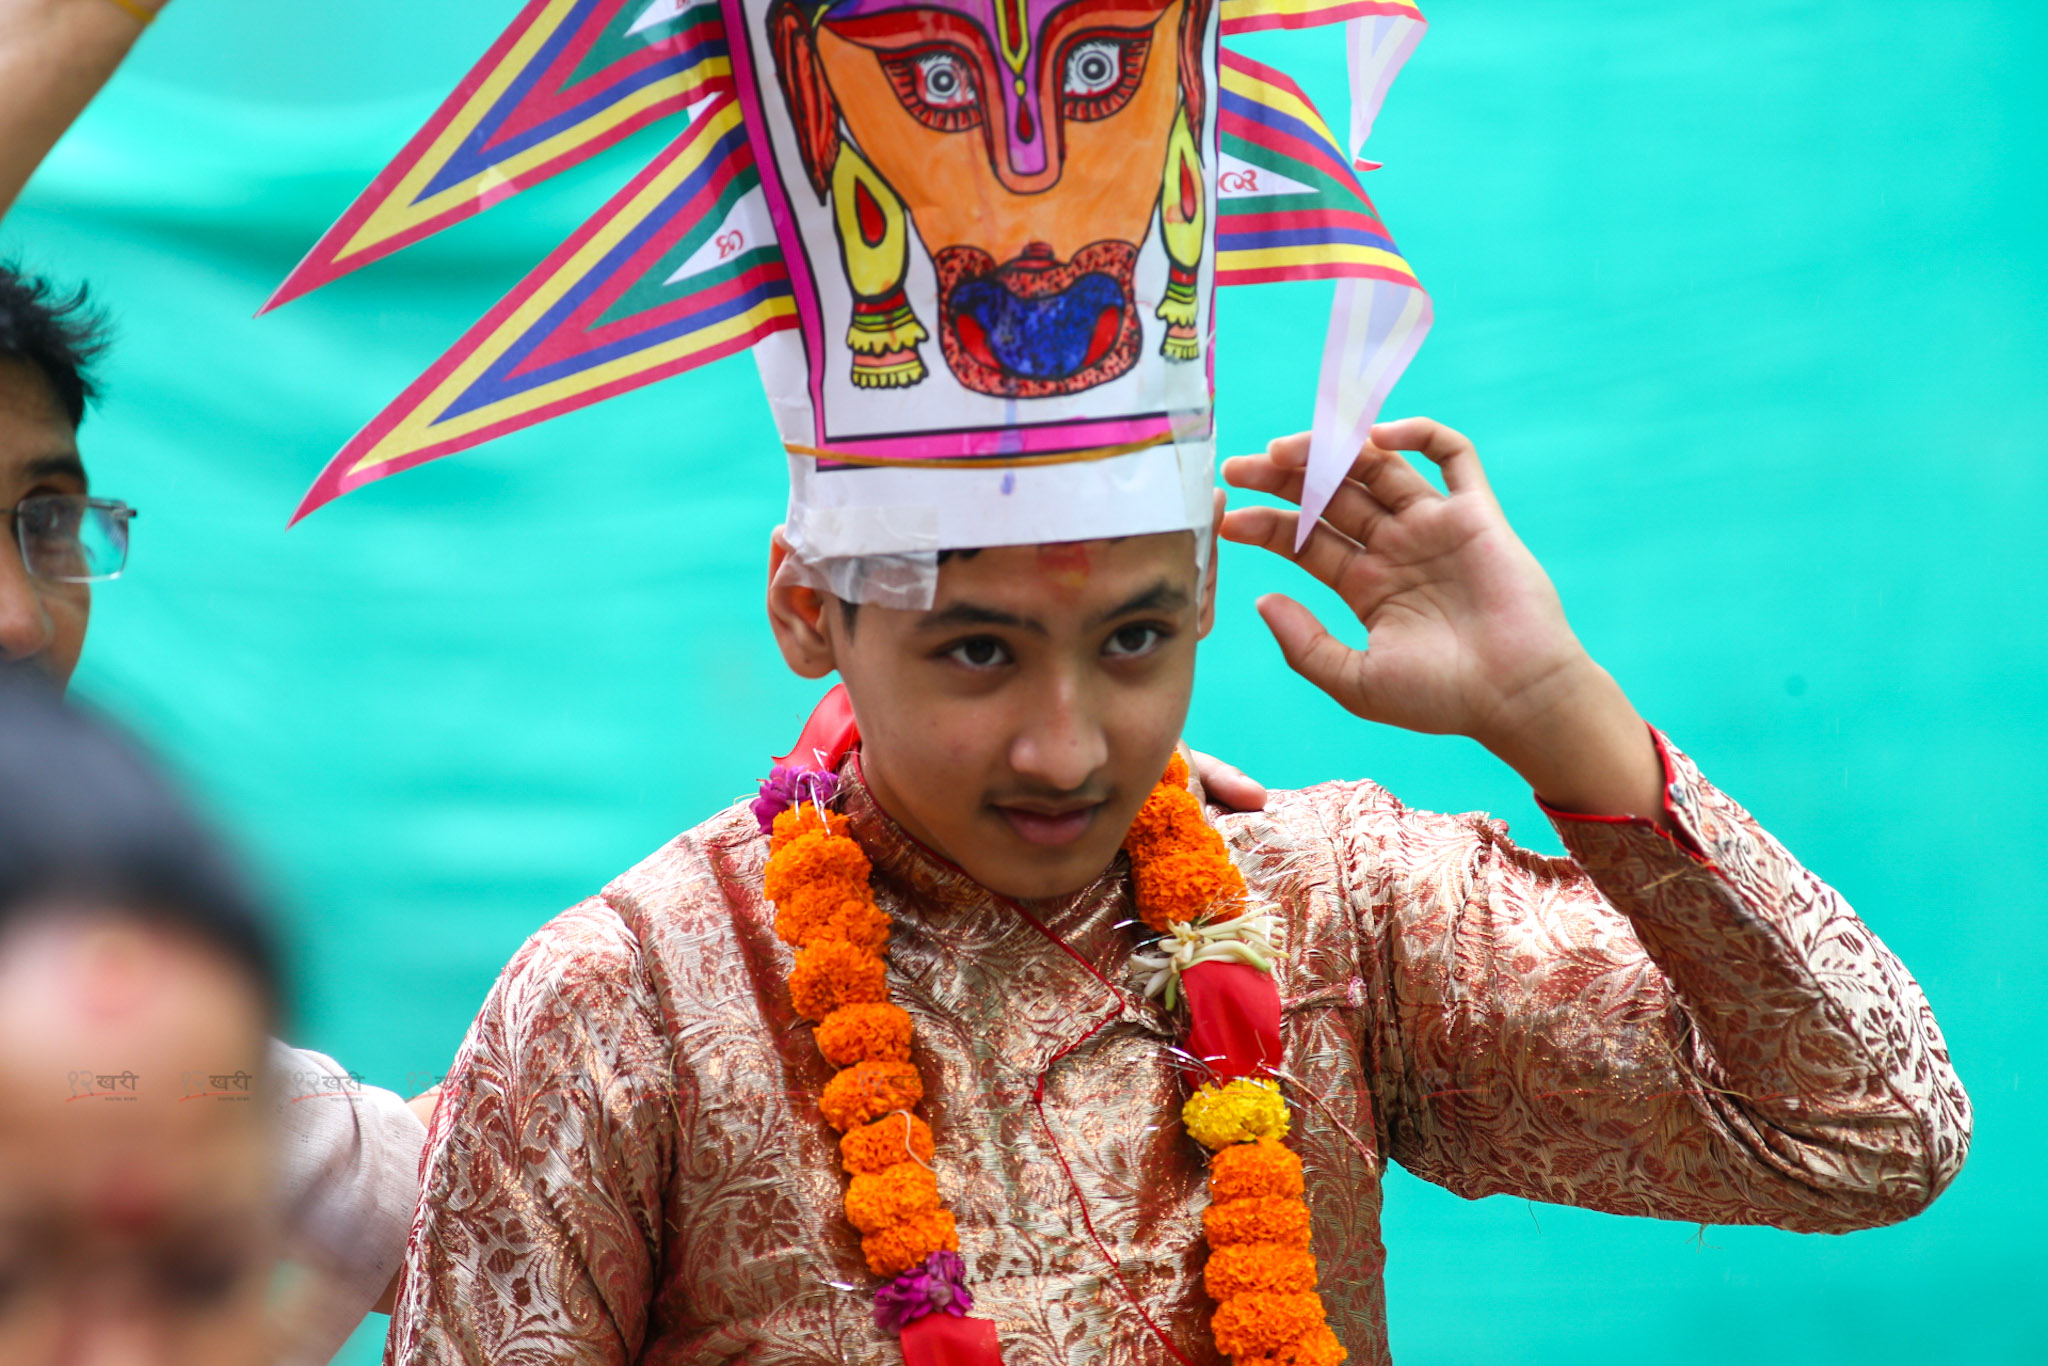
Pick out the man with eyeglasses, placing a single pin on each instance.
(66, 539)
(347, 1173)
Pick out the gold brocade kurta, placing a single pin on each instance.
(628, 1164)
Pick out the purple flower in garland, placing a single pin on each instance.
(787, 786)
(939, 1284)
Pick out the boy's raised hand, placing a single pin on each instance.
(1467, 635)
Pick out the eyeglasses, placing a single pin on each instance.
(67, 538)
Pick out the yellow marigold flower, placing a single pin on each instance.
(1261, 1219)
(1237, 1111)
(881, 1145)
(866, 1091)
(899, 1247)
(1261, 1324)
(868, 1031)
(1249, 1268)
(1318, 1348)
(875, 1201)
(1261, 1168)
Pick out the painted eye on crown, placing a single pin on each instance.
(1100, 75)
(1093, 67)
(937, 86)
(944, 82)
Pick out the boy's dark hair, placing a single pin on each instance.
(86, 823)
(60, 336)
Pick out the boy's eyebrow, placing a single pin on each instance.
(1160, 597)
(974, 614)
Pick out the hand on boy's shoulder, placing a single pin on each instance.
(1230, 788)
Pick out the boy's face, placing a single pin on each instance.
(1016, 727)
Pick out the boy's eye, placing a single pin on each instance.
(1129, 641)
(980, 652)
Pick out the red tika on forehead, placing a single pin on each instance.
(1065, 567)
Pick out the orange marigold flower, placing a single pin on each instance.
(1167, 808)
(1260, 1219)
(867, 1091)
(816, 859)
(877, 1200)
(1262, 1167)
(899, 1247)
(802, 817)
(831, 973)
(889, 1140)
(808, 914)
(869, 1031)
(1160, 823)
(1261, 1324)
(1318, 1348)
(1258, 1268)
(1184, 883)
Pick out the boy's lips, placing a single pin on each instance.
(1050, 828)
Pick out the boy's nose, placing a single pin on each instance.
(1064, 746)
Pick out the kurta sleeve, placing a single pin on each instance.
(348, 1167)
(539, 1231)
(1687, 1026)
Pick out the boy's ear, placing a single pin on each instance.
(1205, 614)
(797, 615)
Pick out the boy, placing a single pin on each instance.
(630, 1163)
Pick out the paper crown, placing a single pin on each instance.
(973, 243)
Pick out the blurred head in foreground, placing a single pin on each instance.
(137, 989)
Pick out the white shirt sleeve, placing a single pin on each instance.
(348, 1168)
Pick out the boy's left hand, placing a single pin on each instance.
(1467, 635)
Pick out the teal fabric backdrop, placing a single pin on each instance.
(1744, 306)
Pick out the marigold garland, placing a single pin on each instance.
(1260, 1272)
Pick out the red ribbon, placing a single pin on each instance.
(828, 735)
(1233, 1018)
(942, 1340)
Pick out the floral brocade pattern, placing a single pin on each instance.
(628, 1164)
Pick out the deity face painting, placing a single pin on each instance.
(1028, 143)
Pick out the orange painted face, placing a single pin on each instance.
(1026, 140)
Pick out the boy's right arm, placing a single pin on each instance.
(538, 1235)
